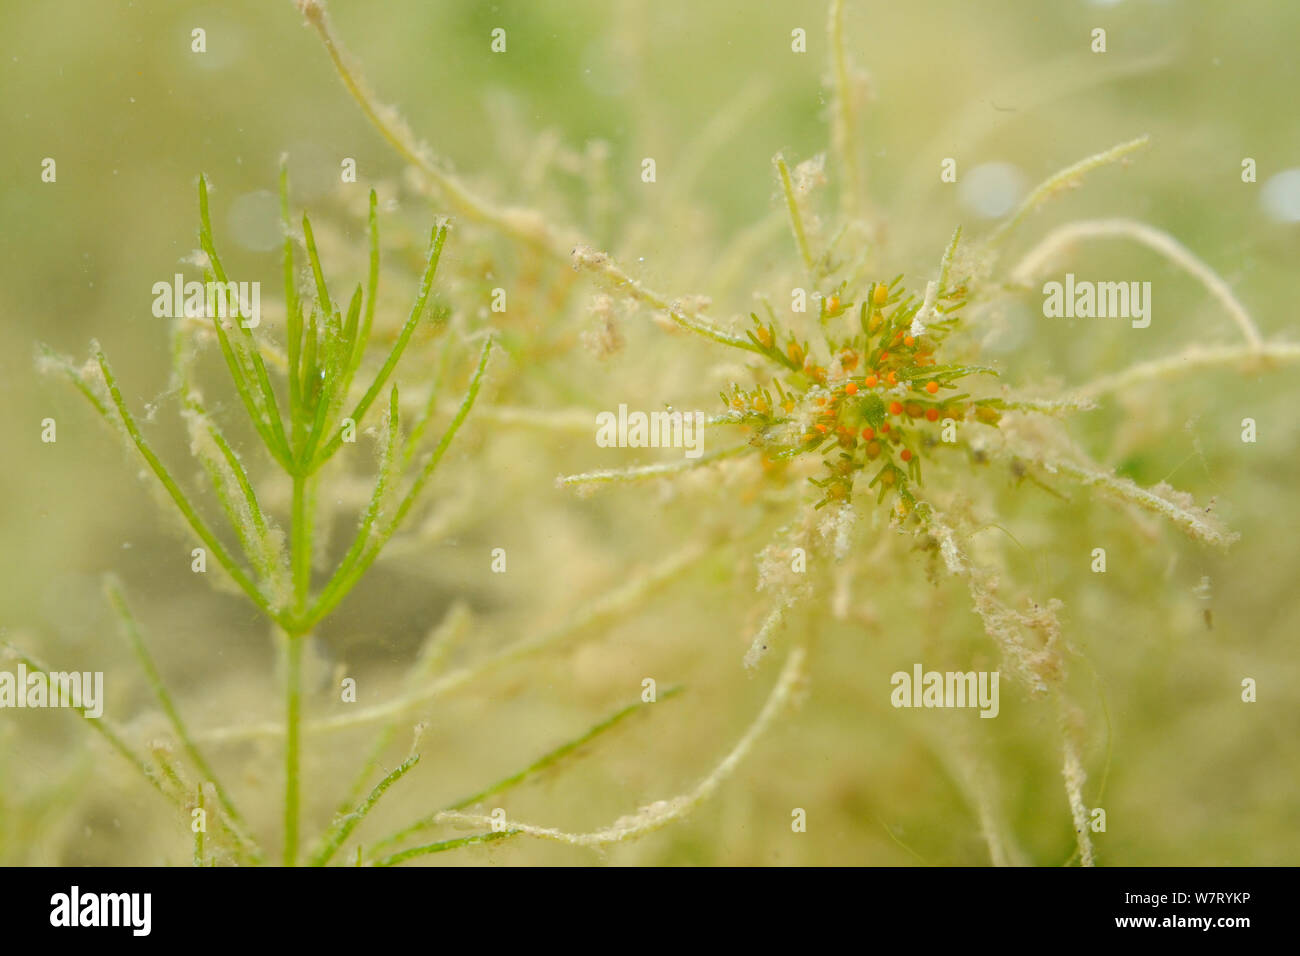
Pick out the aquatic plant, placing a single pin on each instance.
(875, 380)
(323, 366)
(867, 427)
(325, 350)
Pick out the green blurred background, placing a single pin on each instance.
(711, 90)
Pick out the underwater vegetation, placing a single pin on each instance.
(869, 468)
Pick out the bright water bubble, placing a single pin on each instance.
(991, 190)
(1280, 196)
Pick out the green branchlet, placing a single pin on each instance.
(325, 350)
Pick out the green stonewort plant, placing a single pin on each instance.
(875, 381)
(874, 473)
(322, 365)
(867, 399)
(325, 350)
(868, 404)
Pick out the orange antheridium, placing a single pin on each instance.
(884, 369)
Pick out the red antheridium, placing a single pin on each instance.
(884, 370)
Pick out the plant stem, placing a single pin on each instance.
(1061, 181)
(842, 118)
(443, 846)
(796, 219)
(1155, 239)
(293, 724)
(301, 559)
(522, 225)
(602, 265)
